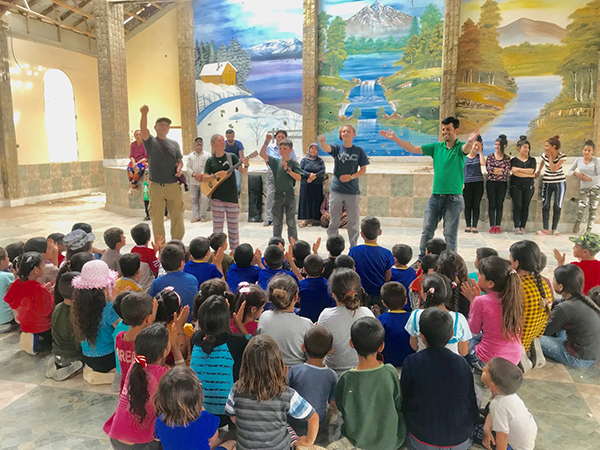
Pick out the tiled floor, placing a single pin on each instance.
(36, 413)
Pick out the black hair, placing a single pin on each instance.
(86, 314)
(75, 251)
(594, 295)
(14, 250)
(57, 238)
(243, 255)
(36, 244)
(135, 307)
(213, 319)
(217, 240)
(479, 139)
(370, 227)
(554, 141)
(318, 342)
(436, 288)
(300, 250)
(282, 291)
(335, 245)
(74, 264)
(429, 262)
(435, 246)
(483, 252)
(199, 247)
(171, 257)
(437, 326)
(393, 294)
(571, 277)
(214, 286)
(403, 253)
(28, 261)
(229, 131)
(367, 334)
(274, 256)
(117, 302)
(64, 285)
(3, 254)
(527, 255)
(112, 236)
(543, 261)
(150, 343)
(505, 375)
(503, 141)
(254, 297)
(276, 240)
(523, 141)
(282, 132)
(590, 143)
(313, 265)
(451, 120)
(453, 266)
(82, 226)
(130, 263)
(141, 234)
(346, 286)
(344, 261)
(168, 305)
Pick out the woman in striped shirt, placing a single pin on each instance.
(554, 184)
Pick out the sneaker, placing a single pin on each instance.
(194, 220)
(498, 230)
(6, 327)
(576, 228)
(525, 364)
(51, 367)
(537, 356)
(268, 223)
(493, 230)
(64, 373)
(147, 218)
(342, 444)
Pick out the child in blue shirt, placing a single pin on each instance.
(397, 340)
(274, 257)
(199, 266)
(245, 268)
(373, 263)
(335, 246)
(314, 291)
(402, 272)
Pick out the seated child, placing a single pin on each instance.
(397, 340)
(66, 352)
(433, 246)
(438, 393)
(274, 257)
(199, 266)
(218, 241)
(245, 268)
(509, 422)
(436, 291)
(32, 303)
(282, 324)
(480, 254)
(402, 272)
(313, 380)
(280, 242)
(182, 422)
(131, 273)
(6, 279)
(186, 285)
(373, 263)
(335, 246)
(300, 250)
(344, 261)
(114, 238)
(453, 266)
(58, 239)
(141, 235)
(50, 255)
(74, 264)
(369, 396)
(260, 401)
(428, 265)
(314, 292)
(585, 249)
(216, 286)
(253, 300)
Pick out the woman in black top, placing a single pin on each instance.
(521, 183)
(311, 187)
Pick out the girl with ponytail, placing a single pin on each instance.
(498, 168)
(348, 294)
(437, 292)
(132, 424)
(496, 317)
(453, 266)
(521, 183)
(554, 184)
(575, 321)
(282, 324)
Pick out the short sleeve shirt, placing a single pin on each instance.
(347, 161)
(462, 332)
(163, 155)
(553, 177)
(284, 183)
(529, 164)
(227, 191)
(448, 167)
(193, 436)
(234, 148)
(104, 342)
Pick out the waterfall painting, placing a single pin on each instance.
(380, 67)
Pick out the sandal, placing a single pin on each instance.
(302, 224)
(309, 224)
(467, 230)
(555, 233)
(542, 233)
(474, 230)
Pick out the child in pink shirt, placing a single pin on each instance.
(495, 318)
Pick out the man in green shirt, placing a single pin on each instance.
(285, 174)
(446, 201)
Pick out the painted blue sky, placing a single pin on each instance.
(250, 21)
(347, 8)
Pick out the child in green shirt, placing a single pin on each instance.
(146, 198)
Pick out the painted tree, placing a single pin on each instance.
(431, 17)
(240, 59)
(412, 51)
(336, 49)
(414, 27)
(380, 112)
(469, 55)
(356, 113)
(211, 50)
(491, 52)
(323, 23)
(222, 53)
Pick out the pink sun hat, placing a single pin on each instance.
(95, 275)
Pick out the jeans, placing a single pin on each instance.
(471, 356)
(199, 201)
(554, 348)
(336, 201)
(238, 181)
(441, 206)
(496, 191)
(521, 197)
(270, 196)
(472, 194)
(415, 444)
(558, 191)
(284, 202)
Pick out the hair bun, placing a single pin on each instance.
(522, 137)
(556, 136)
(502, 136)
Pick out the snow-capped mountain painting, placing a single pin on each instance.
(377, 20)
(277, 49)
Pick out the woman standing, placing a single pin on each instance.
(587, 169)
(498, 168)
(554, 183)
(138, 161)
(311, 187)
(521, 183)
(473, 188)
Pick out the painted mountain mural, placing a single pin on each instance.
(277, 49)
(532, 31)
(378, 20)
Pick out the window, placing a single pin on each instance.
(61, 125)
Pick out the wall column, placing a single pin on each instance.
(112, 74)
(450, 58)
(9, 164)
(310, 74)
(187, 73)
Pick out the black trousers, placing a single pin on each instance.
(472, 194)
(521, 197)
(496, 191)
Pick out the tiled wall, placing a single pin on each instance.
(54, 178)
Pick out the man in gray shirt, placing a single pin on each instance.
(165, 163)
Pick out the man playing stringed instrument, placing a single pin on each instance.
(224, 199)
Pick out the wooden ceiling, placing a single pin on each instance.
(78, 15)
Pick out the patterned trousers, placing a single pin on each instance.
(219, 210)
(588, 199)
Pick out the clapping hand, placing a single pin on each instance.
(560, 257)
(159, 244)
(470, 290)
(316, 245)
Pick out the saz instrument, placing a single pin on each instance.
(209, 187)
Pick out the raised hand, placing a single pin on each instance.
(268, 138)
(316, 245)
(245, 161)
(321, 139)
(238, 317)
(473, 135)
(560, 257)
(159, 244)
(257, 257)
(144, 109)
(218, 259)
(180, 318)
(389, 134)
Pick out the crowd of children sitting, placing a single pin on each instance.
(216, 351)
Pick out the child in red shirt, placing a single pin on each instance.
(428, 265)
(585, 249)
(149, 263)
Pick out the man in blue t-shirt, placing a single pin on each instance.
(350, 163)
(237, 148)
(446, 201)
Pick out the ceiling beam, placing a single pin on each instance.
(4, 8)
(72, 8)
(130, 14)
(80, 6)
